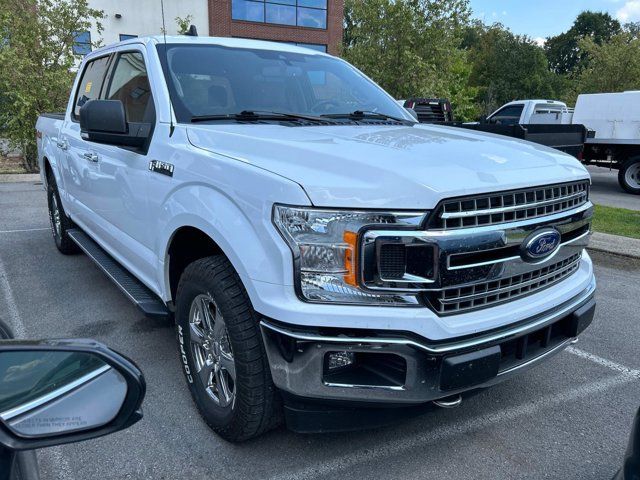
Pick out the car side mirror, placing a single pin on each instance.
(63, 391)
(104, 121)
(483, 119)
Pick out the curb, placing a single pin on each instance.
(615, 244)
(19, 177)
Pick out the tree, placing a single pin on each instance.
(184, 24)
(37, 61)
(507, 67)
(564, 52)
(411, 47)
(613, 66)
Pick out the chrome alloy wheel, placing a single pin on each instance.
(212, 350)
(56, 221)
(632, 175)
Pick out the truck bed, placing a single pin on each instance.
(567, 138)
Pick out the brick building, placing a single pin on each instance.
(312, 23)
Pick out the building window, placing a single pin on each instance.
(301, 13)
(82, 43)
(124, 36)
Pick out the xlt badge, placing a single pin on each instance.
(161, 167)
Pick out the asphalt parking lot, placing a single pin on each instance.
(605, 190)
(567, 419)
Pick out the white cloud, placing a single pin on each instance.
(630, 12)
(540, 41)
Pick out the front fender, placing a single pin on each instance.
(240, 226)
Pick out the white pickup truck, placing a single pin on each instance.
(612, 118)
(318, 249)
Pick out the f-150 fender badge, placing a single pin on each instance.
(161, 167)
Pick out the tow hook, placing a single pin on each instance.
(449, 402)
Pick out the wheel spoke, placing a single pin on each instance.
(197, 336)
(219, 326)
(207, 320)
(227, 363)
(205, 373)
(224, 392)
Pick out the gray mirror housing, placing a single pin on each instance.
(98, 392)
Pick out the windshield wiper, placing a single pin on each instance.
(255, 115)
(364, 114)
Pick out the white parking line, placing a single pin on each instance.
(616, 367)
(446, 432)
(19, 330)
(14, 320)
(26, 230)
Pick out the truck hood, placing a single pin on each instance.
(398, 167)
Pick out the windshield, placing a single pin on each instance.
(215, 80)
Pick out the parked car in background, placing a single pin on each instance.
(602, 130)
(546, 122)
(319, 249)
(429, 110)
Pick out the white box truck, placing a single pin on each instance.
(615, 118)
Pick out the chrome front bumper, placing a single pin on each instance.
(431, 370)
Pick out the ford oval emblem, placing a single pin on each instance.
(540, 245)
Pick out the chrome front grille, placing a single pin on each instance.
(511, 206)
(481, 295)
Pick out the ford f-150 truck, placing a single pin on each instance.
(319, 250)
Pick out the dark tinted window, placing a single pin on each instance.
(91, 83)
(216, 80)
(130, 85)
(508, 115)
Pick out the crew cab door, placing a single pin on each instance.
(120, 200)
(78, 171)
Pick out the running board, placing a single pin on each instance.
(147, 301)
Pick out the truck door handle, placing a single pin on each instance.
(92, 157)
(62, 145)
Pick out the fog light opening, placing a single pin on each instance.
(338, 360)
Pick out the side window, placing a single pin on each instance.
(130, 85)
(508, 115)
(90, 84)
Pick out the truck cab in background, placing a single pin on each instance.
(526, 112)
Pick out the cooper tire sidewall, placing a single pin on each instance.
(215, 415)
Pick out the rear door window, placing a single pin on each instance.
(90, 84)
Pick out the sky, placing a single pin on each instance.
(543, 18)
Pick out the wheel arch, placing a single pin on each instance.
(201, 221)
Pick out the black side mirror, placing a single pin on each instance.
(482, 119)
(62, 391)
(104, 121)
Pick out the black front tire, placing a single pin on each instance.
(257, 406)
(629, 175)
(60, 222)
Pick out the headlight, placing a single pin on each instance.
(324, 245)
